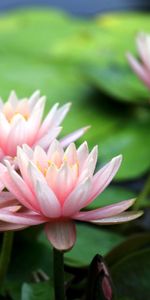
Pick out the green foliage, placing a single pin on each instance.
(90, 241)
(38, 291)
(131, 275)
(111, 195)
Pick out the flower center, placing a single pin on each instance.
(12, 113)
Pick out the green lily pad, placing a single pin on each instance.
(133, 141)
(111, 195)
(90, 241)
(42, 290)
(134, 243)
(29, 256)
(116, 34)
(131, 276)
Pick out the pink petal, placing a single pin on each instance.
(55, 148)
(12, 208)
(21, 218)
(47, 200)
(27, 150)
(140, 70)
(143, 44)
(61, 113)
(23, 163)
(62, 234)
(5, 129)
(4, 203)
(4, 226)
(38, 109)
(82, 154)
(121, 218)
(34, 121)
(40, 158)
(48, 122)
(33, 99)
(2, 154)
(1, 186)
(62, 180)
(104, 212)
(76, 200)
(103, 177)
(92, 157)
(72, 137)
(89, 165)
(46, 140)
(12, 187)
(13, 99)
(71, 154)
(17, 136)
(35, 175)
(22, 188)
(6, 196)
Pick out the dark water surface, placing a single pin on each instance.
(80, 7)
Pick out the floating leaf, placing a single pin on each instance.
(133, 141)
(116, 34)
(131, 276)
(43, 290)
(133, 243)
(90, 241)
(111, 195)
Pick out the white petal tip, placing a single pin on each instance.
(86, 128)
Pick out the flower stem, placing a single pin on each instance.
(5, 255)
(58, 265)
(146, 190)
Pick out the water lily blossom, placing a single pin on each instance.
(21, 123)
(142, 68)
(8, 203)
(55, 186)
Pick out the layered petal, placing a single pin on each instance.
(104, 212)
(11, 185)
(82, 153)
(143, 45)
(139, 69)
(21, 218)
(47, 139)
(4, 226)
(48, 122)
(49, 205)
(103, 177)
(142, 67)
(61, 234)
(17, 136)
(72, 137)
(77, 199)
(118, 219)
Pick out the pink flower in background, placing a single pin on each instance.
(21, 123)
(142, 68)
(54, 187)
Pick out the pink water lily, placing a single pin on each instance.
(8, 202)
(55, 186)
(142, 68)
(21, 123)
